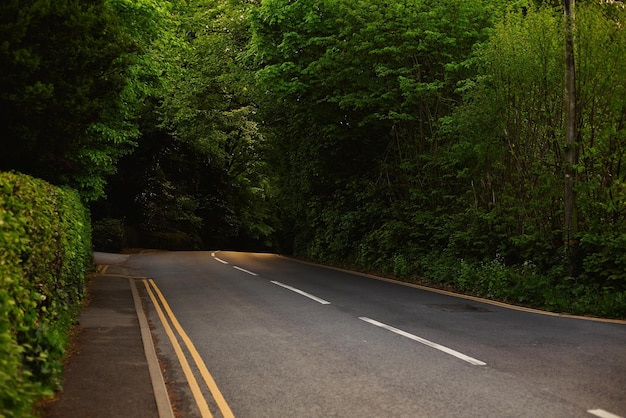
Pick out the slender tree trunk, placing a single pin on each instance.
(571, 227)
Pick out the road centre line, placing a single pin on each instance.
(602, 413)
(235, 267)
(308, 295)
(245, 271)
(204, 372)
(218, 259)
(424, 341)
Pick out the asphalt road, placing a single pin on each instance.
(283, 338)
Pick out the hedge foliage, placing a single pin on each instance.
(45, 250)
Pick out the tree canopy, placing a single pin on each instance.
(426, 139)
(65, 91)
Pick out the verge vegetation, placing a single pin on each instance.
(45, 251)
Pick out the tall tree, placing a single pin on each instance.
(512, 135)
(197, 176)
(518, 145)
(355, 92)
(63, 91)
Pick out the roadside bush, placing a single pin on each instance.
(524, 284)
(45, 249)
(604, 259)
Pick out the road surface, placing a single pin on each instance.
(274, 337)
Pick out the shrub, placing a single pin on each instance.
(45, 249)
(524, 284)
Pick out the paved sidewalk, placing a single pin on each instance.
(109, 373)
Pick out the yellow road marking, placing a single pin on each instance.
(193, 384)
(208, 379)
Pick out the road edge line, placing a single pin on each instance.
(162, 398)
(460, 295)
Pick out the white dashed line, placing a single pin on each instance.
(602, 413)
(308, 295)
(421, 340)
(245, 271)
(218, 259)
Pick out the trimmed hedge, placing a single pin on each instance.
(45, 251)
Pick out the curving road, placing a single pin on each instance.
(283, 338)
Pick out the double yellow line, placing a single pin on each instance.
(152, 288)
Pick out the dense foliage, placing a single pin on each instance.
(197, 178)
(355, 93)
(68, 89)
(45, 250)
(426, 139)
(512, 125)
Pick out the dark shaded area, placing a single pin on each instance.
(63, 69)
(170, 195)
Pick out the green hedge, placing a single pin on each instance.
(45, 251)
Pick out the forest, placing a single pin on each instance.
(436, 142)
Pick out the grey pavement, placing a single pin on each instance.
(111, 372)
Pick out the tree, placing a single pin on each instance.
(198, 173)
(355, 93)
(601, 143)
(64, 89)
(511, 135)
(518, 146)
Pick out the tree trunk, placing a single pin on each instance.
(570, 226)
